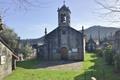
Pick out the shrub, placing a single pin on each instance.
(117, 62)
(99, 52)
(108, 55)
(26, 50)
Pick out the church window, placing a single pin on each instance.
(74, 49)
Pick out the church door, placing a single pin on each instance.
(64, 53)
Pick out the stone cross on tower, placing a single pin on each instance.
(64, 2)
(64, 15)
(45, 31)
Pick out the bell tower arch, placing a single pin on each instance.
(64, 16)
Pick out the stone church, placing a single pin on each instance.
(64, 42)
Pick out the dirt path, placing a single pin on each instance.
(66, 65)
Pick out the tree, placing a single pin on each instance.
(110, 9)
(108, 55)
(117, 62)
(13, 5)
(26, 50)
(10, 37)
(16, 5)
(6, 5)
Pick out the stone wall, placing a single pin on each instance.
(116, 45)
(6, 63)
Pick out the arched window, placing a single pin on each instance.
(63, 18)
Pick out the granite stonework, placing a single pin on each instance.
(64, 42)
(7, 60)
(116, 44)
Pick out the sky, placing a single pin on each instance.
(31, 22)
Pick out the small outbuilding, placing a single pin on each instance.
(7, 58)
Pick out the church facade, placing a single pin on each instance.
(64, 42)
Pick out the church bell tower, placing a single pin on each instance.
(64, 16)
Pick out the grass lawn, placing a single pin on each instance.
(92, 66)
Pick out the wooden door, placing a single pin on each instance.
(64, 53)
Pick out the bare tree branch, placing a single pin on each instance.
(110, 10)
(22, 5)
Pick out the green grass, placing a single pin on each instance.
(92, 66)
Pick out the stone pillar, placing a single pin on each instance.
(83, 43)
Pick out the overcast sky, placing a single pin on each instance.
(31, 23)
